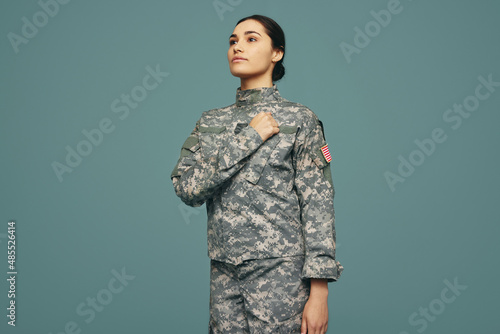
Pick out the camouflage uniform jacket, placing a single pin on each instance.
(263, 199)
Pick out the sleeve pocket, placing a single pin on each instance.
(318, 158)
(320, 161)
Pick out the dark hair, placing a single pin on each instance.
(278, 38)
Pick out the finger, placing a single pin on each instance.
(262, 114)
(303, 328)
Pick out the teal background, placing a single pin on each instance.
(118, 209)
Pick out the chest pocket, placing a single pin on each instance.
(210, 139)
(274, 152)
(281, 157)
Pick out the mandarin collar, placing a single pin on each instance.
(255, 95)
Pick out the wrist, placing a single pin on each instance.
(319, 287)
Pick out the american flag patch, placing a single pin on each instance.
(326, 153)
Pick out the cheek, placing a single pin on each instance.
(263, 57)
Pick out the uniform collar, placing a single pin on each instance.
(255, 95)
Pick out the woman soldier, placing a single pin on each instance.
(263, 168)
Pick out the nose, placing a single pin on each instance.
(237, 48)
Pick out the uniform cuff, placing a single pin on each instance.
(322, 267)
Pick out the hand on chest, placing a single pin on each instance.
(269, 165)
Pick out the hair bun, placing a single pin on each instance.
(279, 71)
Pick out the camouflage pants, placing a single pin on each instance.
(257, 296)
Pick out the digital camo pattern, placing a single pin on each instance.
(257, 296)
(263, 199)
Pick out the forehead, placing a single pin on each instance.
(249, 25)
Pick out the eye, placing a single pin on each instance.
(231, 42)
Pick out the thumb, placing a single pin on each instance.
(303, 328)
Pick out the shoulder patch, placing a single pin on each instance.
(326, 153)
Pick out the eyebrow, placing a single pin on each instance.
(246, 33)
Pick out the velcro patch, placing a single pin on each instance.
(326, 153)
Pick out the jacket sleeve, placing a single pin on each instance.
(315, 190)
(197, 176)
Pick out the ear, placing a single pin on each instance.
(277, 55)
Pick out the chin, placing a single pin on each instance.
(240, 75)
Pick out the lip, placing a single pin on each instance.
(238, 59)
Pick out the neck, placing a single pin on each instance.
(256, 95)
(256, 82)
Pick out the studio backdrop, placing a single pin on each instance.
(97, 98)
